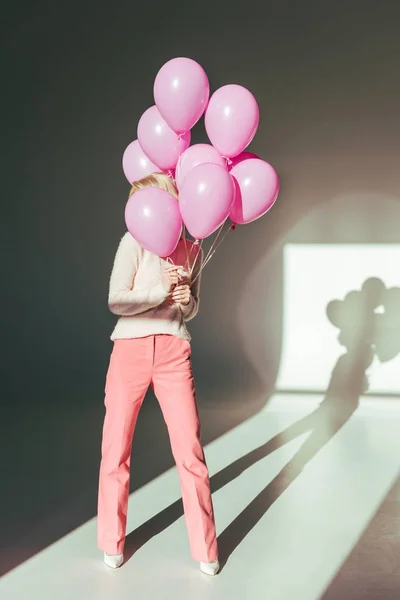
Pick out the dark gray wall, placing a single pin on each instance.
(77, 78)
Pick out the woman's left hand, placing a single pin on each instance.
(181, 294)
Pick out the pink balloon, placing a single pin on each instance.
(257, 188)
(240, 158)
(206, 199)
(136, 164)
(153, 218)
(231, 119)
(197, 155)
(181, 92)
(162, 145)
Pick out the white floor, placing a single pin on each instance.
(294, 551)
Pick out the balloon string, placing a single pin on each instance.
(199, 244)
(231, 228)
(205, 262)
(185, 242)
(215, 241)
(188, 254)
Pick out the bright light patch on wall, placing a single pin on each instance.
(315, 275)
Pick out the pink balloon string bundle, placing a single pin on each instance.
(214, 247)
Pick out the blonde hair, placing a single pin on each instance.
(159, 180)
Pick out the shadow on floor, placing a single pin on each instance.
(323, 424)
(364, 334)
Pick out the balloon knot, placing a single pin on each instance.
(170, 174)
(233, 227)
(196, 242)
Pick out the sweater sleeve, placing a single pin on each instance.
(190, 310)
(123, 299)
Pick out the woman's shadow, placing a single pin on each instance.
(365, 333)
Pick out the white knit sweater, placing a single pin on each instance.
(137, 296)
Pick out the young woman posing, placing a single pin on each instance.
(154, 301)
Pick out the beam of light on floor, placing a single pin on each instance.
(287, 529)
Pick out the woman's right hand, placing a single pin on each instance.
(170, 278)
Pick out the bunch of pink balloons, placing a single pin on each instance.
(216, 181)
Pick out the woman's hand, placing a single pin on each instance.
(181, 294)
(184, 276)
(170, 278)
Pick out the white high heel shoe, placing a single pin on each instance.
(113, 561)
(210, 568)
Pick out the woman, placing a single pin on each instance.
(154, 300)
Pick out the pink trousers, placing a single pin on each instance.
(163, 361)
